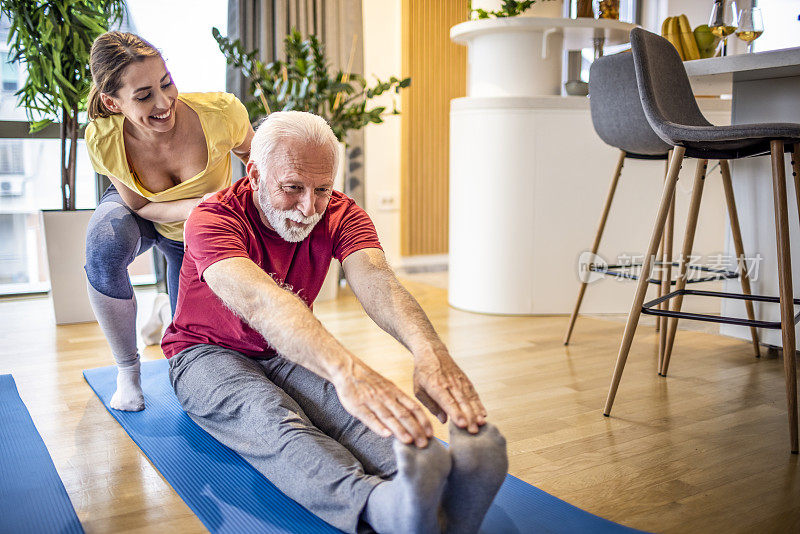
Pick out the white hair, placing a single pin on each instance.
(286, 126)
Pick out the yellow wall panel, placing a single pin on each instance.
(438, 70)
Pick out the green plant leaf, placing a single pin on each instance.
(52, 39)
(36, 126)
(509, 8)
(305, 81)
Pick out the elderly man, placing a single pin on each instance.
(251, 364)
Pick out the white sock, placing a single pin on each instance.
(129, 396)
(480, 462)
(410, 502)
(153, 330)
(117, 319)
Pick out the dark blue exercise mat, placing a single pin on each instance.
(32, 496)
(229, 495)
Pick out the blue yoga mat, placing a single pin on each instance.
(229, 495)
(32, 496)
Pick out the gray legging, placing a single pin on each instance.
(116, 235)
(289, 424)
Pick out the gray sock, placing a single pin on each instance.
(117, 319)
(410, 502)
(479, 467)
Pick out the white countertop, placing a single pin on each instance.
(555, 103)
(715, 75)
(585, 29)
(760, 65)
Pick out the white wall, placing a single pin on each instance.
(382, 58)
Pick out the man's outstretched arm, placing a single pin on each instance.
(438, 381)
(291, 329)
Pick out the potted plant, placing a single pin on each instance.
(51, 39)
(305, 82)
(509, 8)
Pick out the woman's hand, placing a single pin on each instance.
(159, 212)
(192, 203)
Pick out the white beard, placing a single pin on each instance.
(278, 219)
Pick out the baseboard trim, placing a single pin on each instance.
(428, 263)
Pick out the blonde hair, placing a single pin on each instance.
(285, 126)
(111, 54)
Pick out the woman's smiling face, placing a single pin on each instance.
(148, 97)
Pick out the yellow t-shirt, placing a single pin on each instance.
(225, 125)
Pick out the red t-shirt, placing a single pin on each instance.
(228, 225)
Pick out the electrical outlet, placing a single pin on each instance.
(387, 202)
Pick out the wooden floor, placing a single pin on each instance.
(705, 450)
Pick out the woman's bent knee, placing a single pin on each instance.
(112, 242)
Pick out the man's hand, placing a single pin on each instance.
(445, 390)
(381, 405)
(293, 331)
(438, 382)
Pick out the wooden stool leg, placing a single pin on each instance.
(688, 243)
(596, 245)
(659, 288)
(741, 262)
(785, 282)
(796, 173)
(661, 261)
(641, 288)
(666, 278)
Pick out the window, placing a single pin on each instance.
(9, 74)
(29, 182)
(181, 30)
(4, 29)
(628, 9)
(29, 168)
(10, 158)
(781, 25)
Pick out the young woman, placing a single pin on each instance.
(164, 153)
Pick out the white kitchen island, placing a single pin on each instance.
(528, 177)
(765, 87)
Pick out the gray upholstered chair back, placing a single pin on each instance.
(667, 97)
(617, 112)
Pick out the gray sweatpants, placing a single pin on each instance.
(288, 423)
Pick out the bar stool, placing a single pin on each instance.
(619, 120)
(671, 110)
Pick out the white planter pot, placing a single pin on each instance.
(531, 52)
(65, 236)
(330, 288)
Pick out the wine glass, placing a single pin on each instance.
(751, 26)
(723, 21)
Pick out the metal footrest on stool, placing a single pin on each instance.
(618, 271)
(649, 308)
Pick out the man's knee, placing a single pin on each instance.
(112, 240)
(212, 381)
